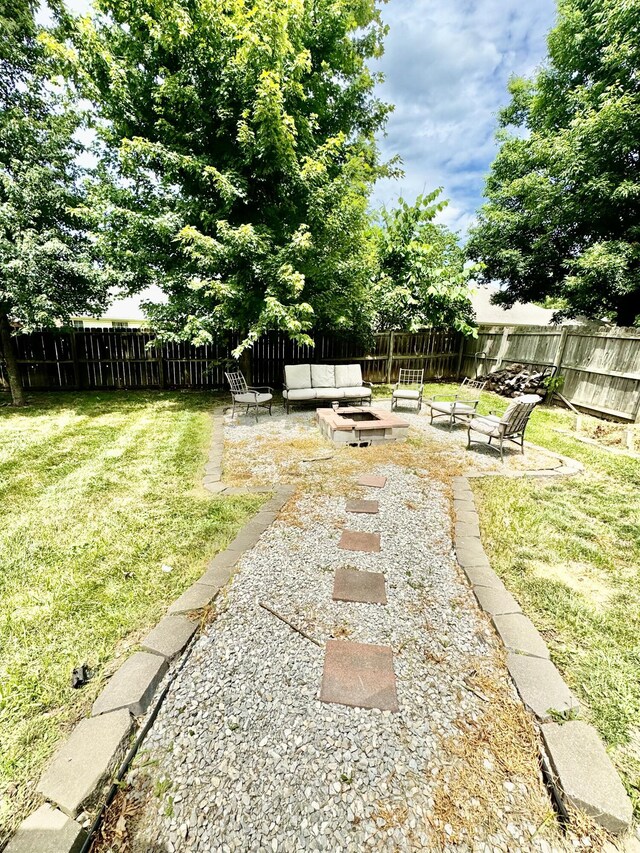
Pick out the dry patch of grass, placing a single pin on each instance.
(497, 750)
(319, 467)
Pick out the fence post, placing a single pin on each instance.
(562, 343)
(77, 374)
(502, 351)
(246, 365)
(390, 358)
(162, 379)
(463, 341)
(636, 411)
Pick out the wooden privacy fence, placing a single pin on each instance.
(70, 359)
(601, 367)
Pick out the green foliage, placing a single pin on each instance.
(97, 492)
(240, 156)
(553, 384)
(47, 262)
(563, 205)
(421, 279)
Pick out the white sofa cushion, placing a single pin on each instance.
(297, 376)
(323, 376)
(348, 375)
(300, 394)
(329, 393)
(357, 391)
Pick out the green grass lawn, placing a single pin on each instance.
(569, 549)
(97, 492)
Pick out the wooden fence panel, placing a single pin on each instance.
(117, 358)
(601, 367)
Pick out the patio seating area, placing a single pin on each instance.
(260, 696)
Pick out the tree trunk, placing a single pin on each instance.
(13, 371)
(245, 365)
(628, 309)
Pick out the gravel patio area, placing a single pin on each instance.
(243, 756)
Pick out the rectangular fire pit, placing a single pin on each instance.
(361, 426)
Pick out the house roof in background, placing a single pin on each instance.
(522, 314)
(128, 309)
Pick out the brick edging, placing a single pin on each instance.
(75, 777)
(583, 772)
(569, 467)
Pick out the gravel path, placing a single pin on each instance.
(244, 757)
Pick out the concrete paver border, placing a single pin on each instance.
(536, 679)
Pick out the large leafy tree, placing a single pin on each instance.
(240, 157)
(562, 218)
(48, 266)
(422, 278)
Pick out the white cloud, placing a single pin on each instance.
(447, 68)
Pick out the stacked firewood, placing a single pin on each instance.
(514, 380)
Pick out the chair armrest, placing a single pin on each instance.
(370, 384)
(444, 397)
(260, 388)
(487, 420)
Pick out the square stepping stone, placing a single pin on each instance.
(359, 675)
(352, 585)
(363, 506)
(372, 481)
(357, 540)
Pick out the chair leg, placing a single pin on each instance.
(468, 437)
(501, 452)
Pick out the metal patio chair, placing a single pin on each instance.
(458, 407)
(510, 427)
(245, 395)
(409, 387)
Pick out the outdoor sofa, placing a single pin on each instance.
(324, 383)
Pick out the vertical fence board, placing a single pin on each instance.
(601, 367)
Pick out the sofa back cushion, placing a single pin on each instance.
(297, 376)
(323, 376)
(348, 376)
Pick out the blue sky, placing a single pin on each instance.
(447, 65)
